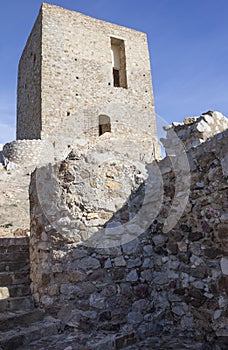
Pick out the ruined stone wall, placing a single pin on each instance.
(149, 279)
(29, 123)
(195, 130)
(76, 77)
(28, 153)
(196, 248)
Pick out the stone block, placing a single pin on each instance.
(4, 293)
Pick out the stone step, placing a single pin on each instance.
(19, 290)
(174, 342)
(11, 278)
(19, 319)
(10, 266)
(6, 242)
(20, 338)
(82, 340)
(14, 249)
(14, 257)
(18, 303)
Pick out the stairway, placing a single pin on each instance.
(20, 321)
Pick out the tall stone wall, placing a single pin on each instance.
(75, 75)
(29, 124)
(102, 265)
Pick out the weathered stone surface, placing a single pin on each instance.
(131, 263)
(135, 317)
(131, 247)
(132, 276)
(88, 263)
(224, 265)
(156, 281)
(148, 250)
(97, 301)
(76, 276)
(196, 130)
(195, 236)
(61, 131)
(119, 261)
(146, 275)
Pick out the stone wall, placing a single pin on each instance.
(196, 248)
(29, 122)
(101, 265)
(73, 80)
(195, 130)
(24, 154)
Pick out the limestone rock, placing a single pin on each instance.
(4, 293)
(132, 276)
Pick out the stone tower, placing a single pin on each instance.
(79, 76)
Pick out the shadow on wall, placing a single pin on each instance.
(157, 281)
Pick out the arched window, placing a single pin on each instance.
(104, 124)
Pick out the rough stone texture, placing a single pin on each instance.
(66, 81)
(78, 341)
(20, 322)
(29, 122)
(27, 154)
(195, 130)
(14, 203)
(4, 293)
(154, 282)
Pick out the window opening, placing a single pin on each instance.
(118, 63)
(104, 124)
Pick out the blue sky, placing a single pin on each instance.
(188, 41)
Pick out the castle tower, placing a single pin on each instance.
(82, 76)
